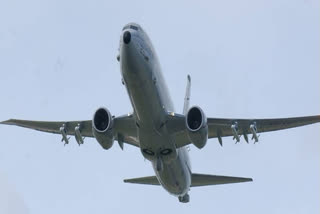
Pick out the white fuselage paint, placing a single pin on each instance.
(151, 102)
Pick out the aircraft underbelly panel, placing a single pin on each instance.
(174, 177)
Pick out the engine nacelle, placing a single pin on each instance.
(197, 126)
(102, 124)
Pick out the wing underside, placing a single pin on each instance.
(124, 126)
(220, 127)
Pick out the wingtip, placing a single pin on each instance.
(247, 179)
(126, 181)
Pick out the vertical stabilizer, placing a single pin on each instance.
(187, 97)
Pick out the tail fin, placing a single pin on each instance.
(196, 180)
(187, 97)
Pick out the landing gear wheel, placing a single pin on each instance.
(185, 198)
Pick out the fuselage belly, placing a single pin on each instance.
(151, 102)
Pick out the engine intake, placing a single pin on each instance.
(102, 120)
(195, 119)
(102, 124)
(197, 126)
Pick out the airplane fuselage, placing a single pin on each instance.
(151, 103)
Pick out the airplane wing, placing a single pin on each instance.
(123, 126)
(220, 127)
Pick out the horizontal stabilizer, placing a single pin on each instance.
(196, 180)
(151, 180)
(206, 180)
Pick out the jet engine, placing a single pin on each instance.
(197, 126)
(102, 124)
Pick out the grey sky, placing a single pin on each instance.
(246, 59)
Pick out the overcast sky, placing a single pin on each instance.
(247, 59)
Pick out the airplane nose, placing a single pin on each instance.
(126, 37)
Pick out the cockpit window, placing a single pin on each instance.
(130, 27)
(133, 27)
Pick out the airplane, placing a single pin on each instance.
(161, 134)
